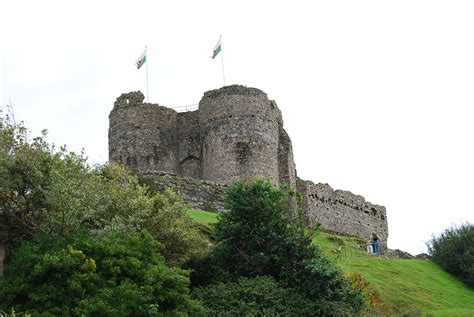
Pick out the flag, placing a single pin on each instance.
(141, 60)
(217, 49)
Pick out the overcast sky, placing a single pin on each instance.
(377, 96)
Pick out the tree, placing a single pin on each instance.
(453, 250)
(256, 237)
(57, 191)
(24, 175)
(114, 275)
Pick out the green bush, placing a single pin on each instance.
(261, 296)
(453, 250)
(256, 237)
(25, 168)
(109, 276)
(55, 192)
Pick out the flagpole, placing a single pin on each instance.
(146, 54)
(222, 59)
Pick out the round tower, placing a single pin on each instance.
(240, 135)
(142, 135)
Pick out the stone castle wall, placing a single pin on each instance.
(237, 133)
(341, 211)
(286, 164)
(199, 194)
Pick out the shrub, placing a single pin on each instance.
(57, 191)
(80, 275)
(453, 250)
(372, 297)
(24, 174)
(256, 237)
(261, 296)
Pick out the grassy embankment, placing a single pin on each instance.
(403, 285)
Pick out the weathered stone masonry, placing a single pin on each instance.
(237, 133)
(200, 194)
(342, 211)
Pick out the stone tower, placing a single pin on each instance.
(237, 133)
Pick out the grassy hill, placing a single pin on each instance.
(403, 285)
(408, 286)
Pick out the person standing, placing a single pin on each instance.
(375, 241)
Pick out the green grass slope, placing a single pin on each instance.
(203, 217)
(405, 286)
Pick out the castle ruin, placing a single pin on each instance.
(237, 133)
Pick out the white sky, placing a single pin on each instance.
(377, 96)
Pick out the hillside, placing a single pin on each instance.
(408, 286)
(415, 285)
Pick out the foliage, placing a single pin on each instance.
(25, 169)
(207, 270)
(372, 297)
(260, 296)
(256, 237)
(114, 275)
(453, 250)
(396, 281)
(13, 313)
(57, 192)
(256, 296)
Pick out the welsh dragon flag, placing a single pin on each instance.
(141, 60)
(217, 49)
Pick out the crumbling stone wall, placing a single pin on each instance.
(143, 135)
(286, 164)
(189, 145)
(237, 133)
(199, 194)
(341, 211)
(335, 210)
